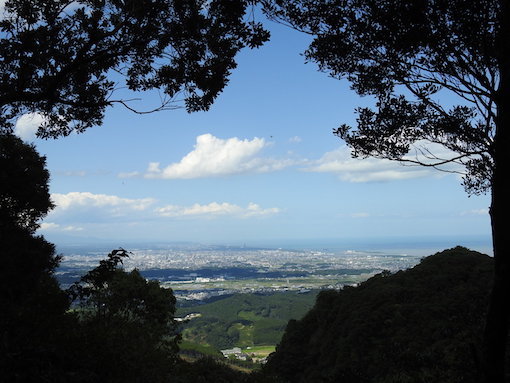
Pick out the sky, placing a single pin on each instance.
(261, 165)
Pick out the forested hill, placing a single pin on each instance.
(419, 325)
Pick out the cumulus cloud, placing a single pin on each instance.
(215, 209)
(51, 226)
(213, 156)
(72, 228)
(79, 211)
(128, 174)
(112, 203)
(48, 226)
(27, 125)
(85, 211)
(350, 169)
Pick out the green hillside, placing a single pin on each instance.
(244, 320)
(419, 325)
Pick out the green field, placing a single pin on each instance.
(253, 322)
(260, 351)
(291, 283)
(203, 349)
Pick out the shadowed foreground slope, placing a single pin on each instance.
(419, 325)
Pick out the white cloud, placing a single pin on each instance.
(51, 226)
(153, 167)
(72, 228)
(114, 203)
(48, 226)
(85, 212)
(255, 210)
(81, 211)
(128, 174)
(475, 212)
(3, 11)
(71, 173)
(111, 205)
(215, 209)
(212, 157)
(341, 162)
(350, 169)
(27, 125)
(295, 139)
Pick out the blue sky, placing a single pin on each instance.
(261, 165)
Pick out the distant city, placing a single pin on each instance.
(198, 272)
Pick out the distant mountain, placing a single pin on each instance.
(419, 325)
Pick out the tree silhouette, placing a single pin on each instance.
(416, 325)
(24, 190)
(126, 328)
(68, 60)
(33, 306)
(408, 55)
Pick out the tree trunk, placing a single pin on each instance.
(498, 316)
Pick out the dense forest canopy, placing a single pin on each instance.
(417, 325)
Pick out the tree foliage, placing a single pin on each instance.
(418, 325)
(24, 191)
(244, 319)
(33, 306)
(67, 60)
(107, 292)
(126, 328)
(410, 55)
(24, 200)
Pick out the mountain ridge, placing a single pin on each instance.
(417, 325)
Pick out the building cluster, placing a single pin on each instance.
(238, 354)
